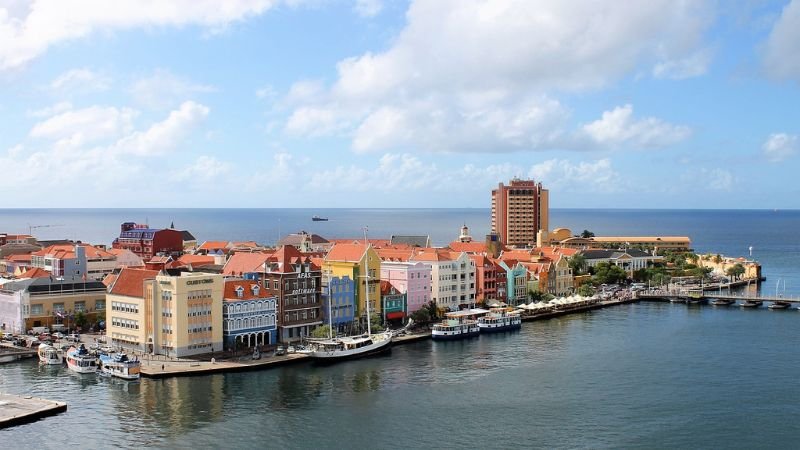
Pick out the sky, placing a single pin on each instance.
(391, 103)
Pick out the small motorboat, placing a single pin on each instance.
(779, 305)
(752, 304)
(722, 302)
(80, 360)
(49, 355)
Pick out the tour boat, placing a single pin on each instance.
(499, 319)
(752, 304)
(779, 305)
(458, 325)
(319, 219)
(49, 355)
(79, 360)
(349, 347)
(120, 366)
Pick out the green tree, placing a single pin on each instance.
(735, 272)
(587, 234)
(586, 290)
(322, 331)
(375, 322)
(577, 263)
(535, 296)
(422, 315)
(717, 258)
(81, 320)
(606, 273)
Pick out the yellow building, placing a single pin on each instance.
(351, 260)
(174, 315)
(563, 237)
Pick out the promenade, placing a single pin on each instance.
(17, 409)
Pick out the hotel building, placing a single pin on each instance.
(519, 211)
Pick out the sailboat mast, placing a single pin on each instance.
(330, 314)
(366, 248)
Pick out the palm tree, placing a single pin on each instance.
(577, 263)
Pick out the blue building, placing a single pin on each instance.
(249, 315)
(341, 293)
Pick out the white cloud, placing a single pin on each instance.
(163, 89)
(467, 75)
(780, 146)
(368, 8)
(80, 80)
(50, 110)
(584, 176)
(720, 180)
(205, 169)
(717, 179)
(782, 50)
(165, 135)
(617, 127)
(28, 32)
(81, 126)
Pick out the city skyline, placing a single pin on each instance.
(374, 103)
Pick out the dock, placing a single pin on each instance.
(17, 410)
(186, 368)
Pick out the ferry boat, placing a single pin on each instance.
(458, 325)
(49, 355)
(79, 360)
(498, 320)
(319, 219)
(120, 366)
(752, 304)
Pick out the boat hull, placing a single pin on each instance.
(455, 335)
(328, 357)
(500, 329)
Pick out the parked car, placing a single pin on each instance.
(280, 351)
(7, 336)
(58, 335)
(74, 337)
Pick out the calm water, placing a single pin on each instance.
(647, 376)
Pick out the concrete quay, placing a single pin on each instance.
(16, 409)
(154, 368)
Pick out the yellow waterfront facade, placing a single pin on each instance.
(356, 261)
(173, 315)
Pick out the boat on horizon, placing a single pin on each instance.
(80, 360)
(49, 355)
(319, 219)
(120, 366)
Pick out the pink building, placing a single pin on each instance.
(412, 279)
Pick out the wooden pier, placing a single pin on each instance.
(16, 409)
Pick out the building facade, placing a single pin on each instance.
(412, 279)
(175, 314)
(339, 300)
(249, 316)
(297, 283)
(147, 242)
(452, 277)
(519, 211)
(393, 303)
(362, 264)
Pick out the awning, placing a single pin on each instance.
(395, 315)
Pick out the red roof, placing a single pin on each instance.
(246, 286)
(67, 251)
(394, 254)
(469, 247)
(352, 252)
(194, 260)
(130, 282)
(240, 263)
(19, 258)
(35, 273)
(214, 245)
(434, 254)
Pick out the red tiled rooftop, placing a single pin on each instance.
(240, 263)
(346, 252)
(130, 282)
(229, 293)
(35, 273)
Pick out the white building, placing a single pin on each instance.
(452, 277)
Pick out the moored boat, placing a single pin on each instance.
(349, 347)
(120, 366)
(752, 304)
(779, 305)
(458, 325)
(49, 355)
(499, 319)
(79, 360)
(721, 302)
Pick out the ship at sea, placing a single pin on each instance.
(319, 219)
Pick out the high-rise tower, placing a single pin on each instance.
(519, 211)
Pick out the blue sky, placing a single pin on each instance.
(378, 103)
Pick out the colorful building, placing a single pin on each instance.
(249, 315)
(360, 262)
(393, 303)
(410, 278)
(452, 277)
(175, 314)
(339, 300)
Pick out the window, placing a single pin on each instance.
(80, 306)
(37, 310)
(58, 307)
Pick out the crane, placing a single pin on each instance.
(32, 227)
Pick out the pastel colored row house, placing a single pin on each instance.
(249, 315)
(362, 264)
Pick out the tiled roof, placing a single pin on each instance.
(35, 273)
(20, 258)
(432, 254)
(214, 245)
(194, 260)
(394, 254)
(67, 251)
(297, 238)
(109, 279)
(346, 252)
(469, 247)
(414, 241)
(246, 287)
(241, 263)
(285, 257)
(130, 282)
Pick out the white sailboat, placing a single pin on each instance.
(350, 347)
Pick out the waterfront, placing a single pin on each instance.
(643, 375)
